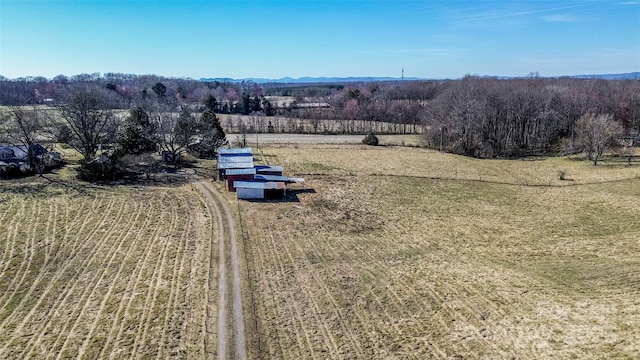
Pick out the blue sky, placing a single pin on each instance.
(274, 39)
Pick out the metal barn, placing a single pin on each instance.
(269, 170)
(239, 158)
(256, 190)
(233, 175)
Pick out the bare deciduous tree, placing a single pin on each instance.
(173, 130)
(23, 127)
(595, 132)
(90, 118)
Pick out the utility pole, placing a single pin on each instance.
(255, 122)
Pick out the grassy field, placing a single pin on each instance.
(94, 272)
(386, 252)
(408, 253)
(309, 139)
(233, 123)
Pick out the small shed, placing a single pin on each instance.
(257, 190)
(238, 175)
(269, 170)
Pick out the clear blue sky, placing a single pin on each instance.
(273, 39)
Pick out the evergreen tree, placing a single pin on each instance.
(210, 135)
(210, 103)
(137, 133)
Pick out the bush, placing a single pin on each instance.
(96, 171)
(562, 174)
(9, 171)
(370, 139)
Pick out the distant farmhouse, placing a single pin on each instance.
(16, 157)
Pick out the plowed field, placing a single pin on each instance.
(108, 272)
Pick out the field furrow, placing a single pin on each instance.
(129, 328)
(127, 287)
(92, 288)
(122, 253)
(178, 267)
(24, 245)
(53, 304)
(154, 312)
(291, 321)
(95, 271)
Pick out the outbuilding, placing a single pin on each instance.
(237, 158)
(257, 190)
(233, 175)
(278, 178)
(269, 170)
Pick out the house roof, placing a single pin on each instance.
(21, 152)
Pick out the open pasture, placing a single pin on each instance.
(103, 272)
(309, 139)
(411, 254)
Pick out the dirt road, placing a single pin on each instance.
(230, 320)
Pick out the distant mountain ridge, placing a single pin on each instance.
(623, 76)
(318, 80)
(312, 80)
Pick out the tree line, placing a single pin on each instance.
(113, 140)
(474, 116)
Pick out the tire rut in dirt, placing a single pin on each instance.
(230, 321)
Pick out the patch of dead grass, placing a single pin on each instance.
(460, 257)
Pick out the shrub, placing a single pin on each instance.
(562, 174)
(97, 170)
(370, 139)
(9, 171)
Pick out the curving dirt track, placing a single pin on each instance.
(230, 338)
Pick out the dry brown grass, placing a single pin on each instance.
(408, 253)
(98, 272)
(310, 139)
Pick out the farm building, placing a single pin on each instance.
(258, 190)
(249, 181)
(233, 175)
(269, 170)
(241, 158)
(19, 153)
(6, 153)
(277, 178)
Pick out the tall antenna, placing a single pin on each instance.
(402, 78)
